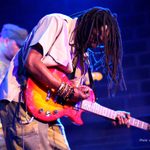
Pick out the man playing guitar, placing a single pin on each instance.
(54, 49)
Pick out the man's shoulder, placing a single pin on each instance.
(57, 16)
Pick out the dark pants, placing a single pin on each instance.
(20, 135)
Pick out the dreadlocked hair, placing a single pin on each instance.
(96, 18)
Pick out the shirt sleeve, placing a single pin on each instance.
(51, 32)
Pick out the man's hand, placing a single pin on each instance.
(122, 118)
(83, 92)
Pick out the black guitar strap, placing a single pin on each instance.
(75, 61)
(72, 75)
(90, 78)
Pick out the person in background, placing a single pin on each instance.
(61, 42)
(11, 39)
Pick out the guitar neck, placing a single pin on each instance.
(111, 114)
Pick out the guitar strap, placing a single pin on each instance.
(22, 54)
(87, 62)
(74, 63)
(90, 78)
(72, 75)
(92, 86)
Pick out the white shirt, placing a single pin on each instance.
(53, 32)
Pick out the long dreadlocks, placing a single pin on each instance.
(96, 18)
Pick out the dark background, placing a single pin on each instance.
(134, 19)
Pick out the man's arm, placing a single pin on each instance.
(41, 73)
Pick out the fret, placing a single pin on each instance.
(103, 111)
(85, 105)
(98, 109)
(138, 123)
(135, 122)
(141, 124)
(113, 115)
(109, 113)
(106, 112)
(145, 126)
(93, 107)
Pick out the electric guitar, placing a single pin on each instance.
(43, 104)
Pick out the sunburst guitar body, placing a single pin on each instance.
(42, 103)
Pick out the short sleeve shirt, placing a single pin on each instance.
(53, 32)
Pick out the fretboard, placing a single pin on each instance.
(109, 113)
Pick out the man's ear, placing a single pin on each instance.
(5, 41)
